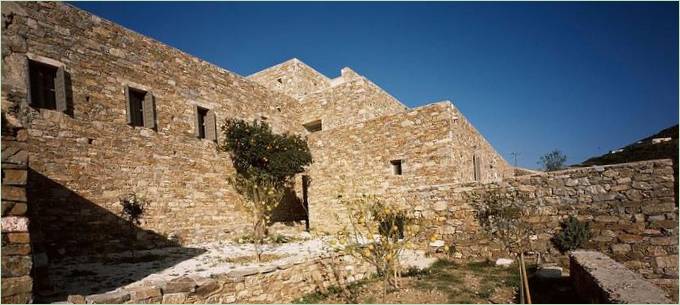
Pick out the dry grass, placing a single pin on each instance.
(443, 282)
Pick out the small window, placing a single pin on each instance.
(279, 80)
(396, 167)
(205, 123)
(477, 174)
(141, 108)
(313, 126)
(201, 116)
(42, 86)
(137, 107)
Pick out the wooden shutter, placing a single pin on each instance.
(27, 71)
(127, 105)
(197, 122)
(149, 111)
(210, 126)
(60, 90)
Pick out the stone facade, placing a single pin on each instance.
(17, 262)
(83, 159)
(356, 159)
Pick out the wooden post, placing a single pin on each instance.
(526, 278)
(521, 283)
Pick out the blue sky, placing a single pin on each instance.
(584, 78)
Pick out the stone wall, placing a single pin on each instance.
(356, 159)
(293, 78)
(354, 99)
(266, 284)
(630, 208)
(83, 160)
(17, 259)
(601, 280)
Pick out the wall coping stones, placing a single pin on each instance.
(595, 272)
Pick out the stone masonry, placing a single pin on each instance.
(87, 152)
(17, 261)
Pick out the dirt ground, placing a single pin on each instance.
(443, 282)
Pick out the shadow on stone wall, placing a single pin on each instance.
(81, 248)
(290, 209)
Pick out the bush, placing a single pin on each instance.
(574, 234)
(553, 161)
(256, 151)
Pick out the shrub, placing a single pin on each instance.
(574, 234)
(377, 234)
(502, 216)
(553, 160)
(258, 152)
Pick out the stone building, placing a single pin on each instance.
(101, 111)
(107, 111)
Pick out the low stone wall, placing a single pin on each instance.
(630, 207)
(17, 261)
(264, 284)
(600, 279)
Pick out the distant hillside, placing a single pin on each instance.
(662, 145)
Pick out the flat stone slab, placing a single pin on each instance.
(601, 279)
(108, 298)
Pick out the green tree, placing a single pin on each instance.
(265, 165)
(553, 160)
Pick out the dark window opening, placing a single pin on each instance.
(279, 80)
(476, 168)
(42, 78)
(313, 126)
(137, 107)
(202, 114)
(396, 167)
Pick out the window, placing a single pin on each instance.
(141, 110)
(201, 114)
(205, 123)
(46, 85)
(313, 126)
(42, 85)
(476, 167)
(396, 167)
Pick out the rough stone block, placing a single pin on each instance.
(116, 297)
(181, 284)
(13, 266)
(620, 249)
(76, 299)
(16, 285)
(670, 261)
(16, 249)
(174, 298)
(14, 224)
(13, 193)
(19, 238)
(205, 286)
(141, 294)
(14, 177)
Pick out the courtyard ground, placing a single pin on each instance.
(450, 282)
(99, 274)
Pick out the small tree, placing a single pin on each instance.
(553, 160)
(265, 165)
(377, 233)
(502, 216)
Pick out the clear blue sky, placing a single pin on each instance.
(584, 78)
